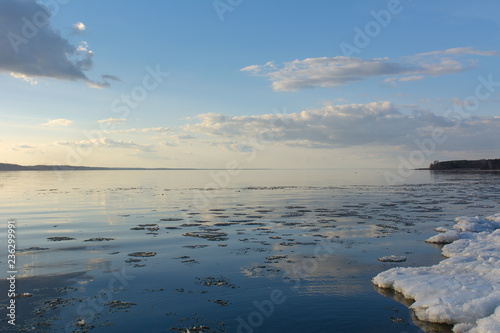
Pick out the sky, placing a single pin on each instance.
(253, 83)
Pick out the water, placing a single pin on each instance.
(280, 250)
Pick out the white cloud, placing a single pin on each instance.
(459, 102)
(78, 28)
(336, 71)
(377, 124)
(23, 77)
(175, 140)
(44, 53)
(183, 137)
(130, 130)
(108, 143)
(411, 78)
(329, 126)
(251, 68)
(158, 130)
(58, 123)
(23, 147)
(112, 121)
(460, 51)
(83, 46)
(392, 80)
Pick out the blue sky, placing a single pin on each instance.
(314, 84)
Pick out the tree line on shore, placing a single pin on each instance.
(492, 164)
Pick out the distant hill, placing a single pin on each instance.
(16, 167)
(493, 164)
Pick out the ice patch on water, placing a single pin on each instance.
(465, 288)
(392, 258)
(445, 237)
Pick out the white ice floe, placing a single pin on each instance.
(392, 258)
(440, 229)
(464, 289)
(445, 237)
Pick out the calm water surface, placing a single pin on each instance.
(261, 251)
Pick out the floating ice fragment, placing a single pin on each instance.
(444, 238)
(392, 258)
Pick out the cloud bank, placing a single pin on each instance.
(30, 47)
(341, 126)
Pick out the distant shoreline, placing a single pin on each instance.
(482, 165)
(17, 167)
(459, 166)
(459, 170)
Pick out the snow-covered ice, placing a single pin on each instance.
(466, 228)
(446, 237)
(440, 229)
(463, 289)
